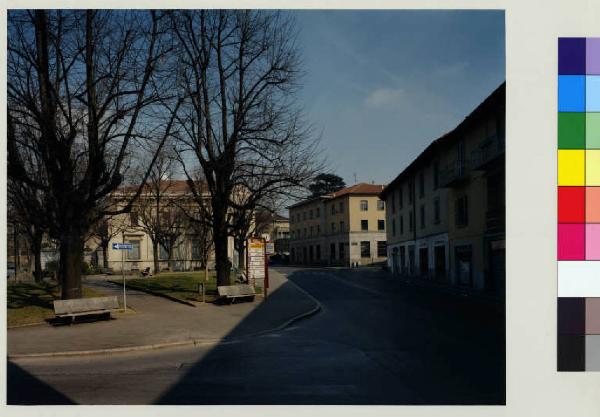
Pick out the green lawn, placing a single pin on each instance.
(180, 285)
(30, 303)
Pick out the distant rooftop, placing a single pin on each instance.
(361, 188)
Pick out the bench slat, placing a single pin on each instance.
(85, 305)
(231, 291)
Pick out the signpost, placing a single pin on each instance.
(123, 247)
(270, 248)
(256, 263)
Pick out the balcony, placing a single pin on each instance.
(495, 220)
(489, 150)
(454, 174)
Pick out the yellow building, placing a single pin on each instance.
(447, 207)
(343, 228)
(129, 228)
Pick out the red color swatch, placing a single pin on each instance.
(571, 204)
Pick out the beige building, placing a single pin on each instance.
(343, 228)
(187, 251)
(446, 209)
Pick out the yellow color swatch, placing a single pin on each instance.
(571, 167)
(592, 167)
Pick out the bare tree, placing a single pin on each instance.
(26, 209)
(83, 87)
(239, 72)
(104, 231)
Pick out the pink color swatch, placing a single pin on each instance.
(571, 242)
(592, 241)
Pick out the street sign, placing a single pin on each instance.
(256, 260)
(256, 263)
(122, 246)
(270, 248)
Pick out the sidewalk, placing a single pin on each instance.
(157, 321)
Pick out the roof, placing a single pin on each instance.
(496, 99)
(361, 188)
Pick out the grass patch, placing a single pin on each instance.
(30, 303)
(179, 285)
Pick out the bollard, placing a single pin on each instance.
(201, 290)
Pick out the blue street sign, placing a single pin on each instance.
(122, 246)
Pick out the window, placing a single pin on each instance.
(380, 205)
(411, 190)
(342, 226)
(332, 227)
(317, 212)
(341, 206)
(422, 215)
(163, 255)
(393, 227)
(332, 208)
(380, 224)
(401, 224)
(342, 250)
(196, 249)
(332, 251)
(381, 248)
(311, 230)
(364, 225)
(318, 229)
(310, 214)
(400, 195)
(436, 175)
(134, 253)
(411, 222)
(436, 211)
(305, 232)
(304, 215)
(462, 211)
(364, 205)
(365, 249)
(318, 252)
(393, 200)
(421, 184)
(133, 218)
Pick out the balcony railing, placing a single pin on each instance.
(489, 150)
(495, 220)
(454, 173)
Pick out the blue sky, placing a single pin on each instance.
(381, 85)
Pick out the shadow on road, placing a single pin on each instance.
(25, 389)
(418, 348)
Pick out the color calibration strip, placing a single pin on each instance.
(579, 204)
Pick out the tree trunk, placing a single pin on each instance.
(223, 265)
(155, 257)
(105, 255)
(170, 258)
(241, 254)
(36, 248)
(71, 257)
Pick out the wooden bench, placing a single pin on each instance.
(85, 306)
(233, 292)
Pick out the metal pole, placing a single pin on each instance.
(266, 280)
(123, 273)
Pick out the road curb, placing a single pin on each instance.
(191, 342)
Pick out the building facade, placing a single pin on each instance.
(188, 252)
(344, 228)
(446, 209)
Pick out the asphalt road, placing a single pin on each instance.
(374, 342)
